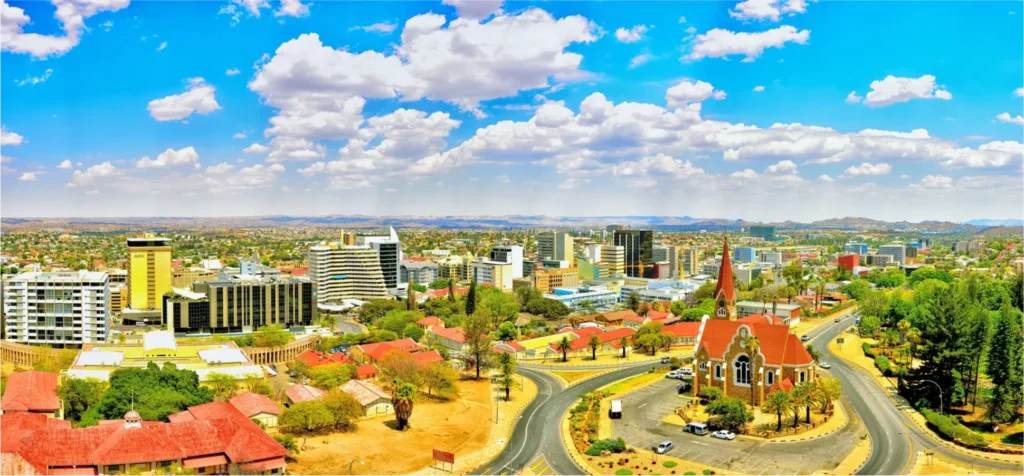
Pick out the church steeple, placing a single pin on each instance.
(725, 290)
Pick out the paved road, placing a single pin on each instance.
(895, 440)
(641, 426)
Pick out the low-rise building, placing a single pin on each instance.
(578, 297)
(257, 407)
(374, 400)
(32, 391)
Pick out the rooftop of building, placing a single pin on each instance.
(82, 276)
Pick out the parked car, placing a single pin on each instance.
(664, 447)
(724, 435)
(825, 365)
(683, 387)
(837, 320)
(616, 410)
(686, 372)
(665, 360)
(805, 338)
(676, 374)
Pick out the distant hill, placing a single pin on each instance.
(983, 222)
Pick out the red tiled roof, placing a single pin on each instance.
(610, 337)
(429, 321)
(762, 318)
(252, 404)
(582, 331)
(655, 315)
(378, 350)
(666, 320)
(365, 392)
(725, 282)
(455, 334)
(427, 358)
(633, 318)
(312, 358)
(683, 329)
(785, 385)
(217, 428)
(31, 391)
(444, 292)
(204, 461)
(264, 465)
(365, 371)
(776, 343)
(173, 418)
(303, 393)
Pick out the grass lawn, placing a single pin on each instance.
(462, 426)
(633, 382)
(642, 462)
(571, 376)
(612, 358)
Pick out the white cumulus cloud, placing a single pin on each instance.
(719, 43)
(631, 35)
(1006, 117)
(10, 138)
(936, 181)
(256, 148)
(66, 164)
(866, 169)
(686, 92)
(171, 158)
(758, 89)
(892, 90)
(70, 13)
(197, 98)
(27, 177)
(767, 9)
(475, 9)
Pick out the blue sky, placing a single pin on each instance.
(762, 109)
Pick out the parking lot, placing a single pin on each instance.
(641, 426)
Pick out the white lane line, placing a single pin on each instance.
(526, 430)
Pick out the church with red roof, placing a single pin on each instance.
(747, 358)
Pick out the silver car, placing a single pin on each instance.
(664, 447)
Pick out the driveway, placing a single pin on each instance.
(641, 426)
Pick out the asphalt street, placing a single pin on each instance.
(895, 440)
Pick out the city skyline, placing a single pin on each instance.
(825, 109)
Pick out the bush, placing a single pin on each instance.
(952, 429)
(623, 472)
(867, 349)
(689, 473)
(670, 464)
(707, 472)
(882, 362)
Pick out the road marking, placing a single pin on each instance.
(526, 430)
(641, 406)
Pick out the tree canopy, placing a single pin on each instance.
(156, 392)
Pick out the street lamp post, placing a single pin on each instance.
(940, 393)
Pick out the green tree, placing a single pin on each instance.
(780, 403)
(803, 396)
(594, 343)
(928, 272)
(815, 354)
(288, 442)
(413, 332)
(329, 376)
(869, 325)
(403, 400)
(503, 306)
(438, 284)
(564, 347)
(705, 291)
(271, 336)
(79, 395)
(827, 391)
(678, 307)
(624, 342)
(857, 289)
(439, 379)
(478, 338)
(154, 391)
(471, 298)
(1005, 365)
(344, 408)
(224, 386)
(306, 418)
(410, 298)
(375, 309)
(729, 412)
(644, 309)
(507, 365)
(507, 331)
(633, 301)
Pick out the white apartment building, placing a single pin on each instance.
(593, 253)
(346, 272)
(898, 252)
(58, 309)
(511, 254)
(494, 273)
(385, 243)
(614, 258)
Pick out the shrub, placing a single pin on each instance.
(623, 472)
(952, 429)
(670, 464)
(612, 445)
(867, 349)
(707, 472)
(882, 362)
(689, 473)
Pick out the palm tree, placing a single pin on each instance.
(410, 302)
(403, 399)
(451, 288)
(914, 338)
(803, 396)
(753, 345)
(633, 301)
(815, 354)
(594, 344)
(789, 292)
(779, 403)
(903, 327)
(819, 291)
(624, 342)
(564, 346)
(507, 363)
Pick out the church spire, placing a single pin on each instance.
(725, 290)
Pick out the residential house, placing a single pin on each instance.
(453, 338)
(311, 358)
(372, 353)
(610, 342)
(32, 391)
(257, 407)
(374, 400)
(302, 393)
(429, 321)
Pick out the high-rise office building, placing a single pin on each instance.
(385, 243)
(773, 257)
(613, 258)
(593, 252)
(240, 304)
(667, 254)
(511, 254)
(547, 279)
(346, 272)
(691, 262)
(420, 272)
(896, 250)
(744, 254)
(57, 309)
(911, 252)
(497, 274)
(639, 249)
(149, 272)
(859, 248)
(614, 228)
(765, 232)
(555, 245)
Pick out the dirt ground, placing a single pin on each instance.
(933, 466)
(461, 426)
(573, 376)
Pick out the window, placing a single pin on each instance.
(718, 372)
(742, 370)
(721, 310)
(770, 377)
(113, 468)
(703, 366)
(803, 376)
(165, 464)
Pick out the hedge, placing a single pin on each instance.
(882, 362)
(867, 349)
(951, 429)
(612, 445)
(623, 472)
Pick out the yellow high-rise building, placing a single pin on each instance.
(149, 272)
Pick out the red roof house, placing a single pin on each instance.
(312, 358)
(609, 341)
(366, 371)
(32, 391)
(303, 393)
(377, 351)
(426, 358)
(429, 321)
(252, 404)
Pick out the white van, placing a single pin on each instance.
(696, 428)
(616, 410)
